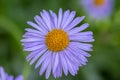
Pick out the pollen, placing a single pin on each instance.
(99, 2)
(57, 40)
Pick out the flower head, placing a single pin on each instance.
(5, 76)
(98, 9)
(56, 44)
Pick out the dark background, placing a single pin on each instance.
(104, 64)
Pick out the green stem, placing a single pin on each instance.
(26, 70)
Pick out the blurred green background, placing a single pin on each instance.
(104, 64)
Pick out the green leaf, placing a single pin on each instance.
(11, 28)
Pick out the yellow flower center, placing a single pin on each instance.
(98, 2)
(57, 40)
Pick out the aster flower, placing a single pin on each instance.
(56, 44)
(5, 76)
(98, 9)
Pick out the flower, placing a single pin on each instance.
(98, 9)
(56, 43)
(5, 76)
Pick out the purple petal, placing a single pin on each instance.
(51, 24)
(81, 58)
(75, 51)
(48, 71)
(34, 31)
(74, 58)
(88, 33)
(82, 46)
(28, 34)
(65, 17)
(79, 51)
(63, 62)
(41, 23)
(83, 27)
(34, 25)
(2, 74)
(34, 47)
(78, 29)
(31, 44)
(34, 53)
(9, 78)
(70, 66)
(32, 39)
(81, 38)
(56, 62)
(75, 22)
(69, 19)
(19, 77)
(54, 19)
(46, 17)
(37, 56)
(45, 63)
(58, 71)
(83, 52)
(60, 16)
(42, 58)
